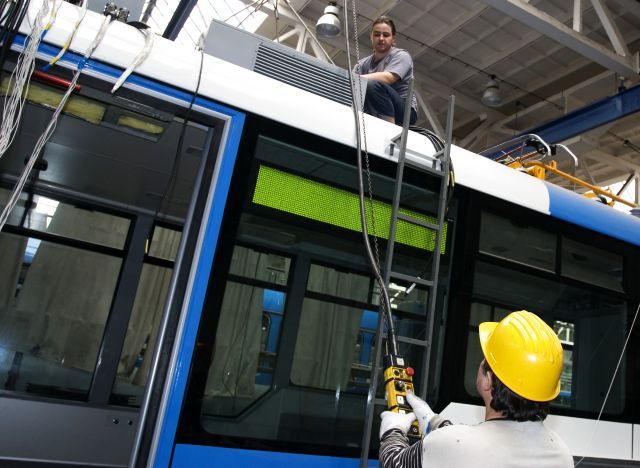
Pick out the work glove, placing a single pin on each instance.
(422, 410)
(391, 420)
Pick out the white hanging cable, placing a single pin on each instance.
(65, 47)
(141, 57)
(52, 18)
(18, 84)
(613, 379)
(13, 199)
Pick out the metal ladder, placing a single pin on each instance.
(440, 169)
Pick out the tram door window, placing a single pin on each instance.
(58, 276)
(142, 329)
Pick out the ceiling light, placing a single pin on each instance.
(329, 23)
(491, 96)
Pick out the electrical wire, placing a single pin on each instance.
(11, 28)
(52, 17)
(67, 43)
(17, 190)
(613, 378)
(141, 57)
(19, 79)
(176, 160)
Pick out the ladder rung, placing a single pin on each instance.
(413, 341)
(411, 279)
(418, 221)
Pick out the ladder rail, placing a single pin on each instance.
(435, 265)
(366, 436)
(432, 285)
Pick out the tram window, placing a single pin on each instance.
(566, 333)
(267, 267)
(504, 238)
(479, 313)
(313, 397)
(591, 265)
(245, 350)
(326, 345)
(164, 243)
(337, 283)
(414, 301)
(45, 214)
(52, 324)
(599, 322)
(140, 341)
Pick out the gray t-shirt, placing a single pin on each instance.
(397, 61)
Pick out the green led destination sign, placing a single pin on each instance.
(320, 202)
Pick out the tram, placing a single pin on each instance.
(184, 282)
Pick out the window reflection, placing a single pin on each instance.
(591, 265)
(54, 304)
(566, 333)
(142, 330)
(45, 214)
(592, 325)
(248, 333)
(503, 238)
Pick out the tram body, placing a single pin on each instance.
(237, 310)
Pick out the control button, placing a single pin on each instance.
(410, 371)
(396, 372)
(400, 385)
(400, 399)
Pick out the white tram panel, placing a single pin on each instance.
(611, 440)
(236, 86)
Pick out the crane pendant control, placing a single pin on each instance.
(398, 379)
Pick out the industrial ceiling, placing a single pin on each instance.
(550, 58)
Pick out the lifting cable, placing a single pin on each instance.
(374, 261)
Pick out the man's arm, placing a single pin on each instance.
(395, 451)
(385, 76)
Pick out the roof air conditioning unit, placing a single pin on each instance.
(279, 62)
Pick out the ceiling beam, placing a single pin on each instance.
(587, 118)
(589, 149)
(565, 93)
(549, 26)
(632, 6)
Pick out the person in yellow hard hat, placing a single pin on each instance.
(518, 377)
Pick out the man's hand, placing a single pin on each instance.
(422, 410)
(391, 420)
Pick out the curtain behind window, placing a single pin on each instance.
(328, 333)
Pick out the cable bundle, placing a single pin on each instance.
(436, 141)
(141, 57)
(52, 124)
(19, 79)
(13, 13)
(67, 43)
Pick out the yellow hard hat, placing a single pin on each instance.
(525, 354)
